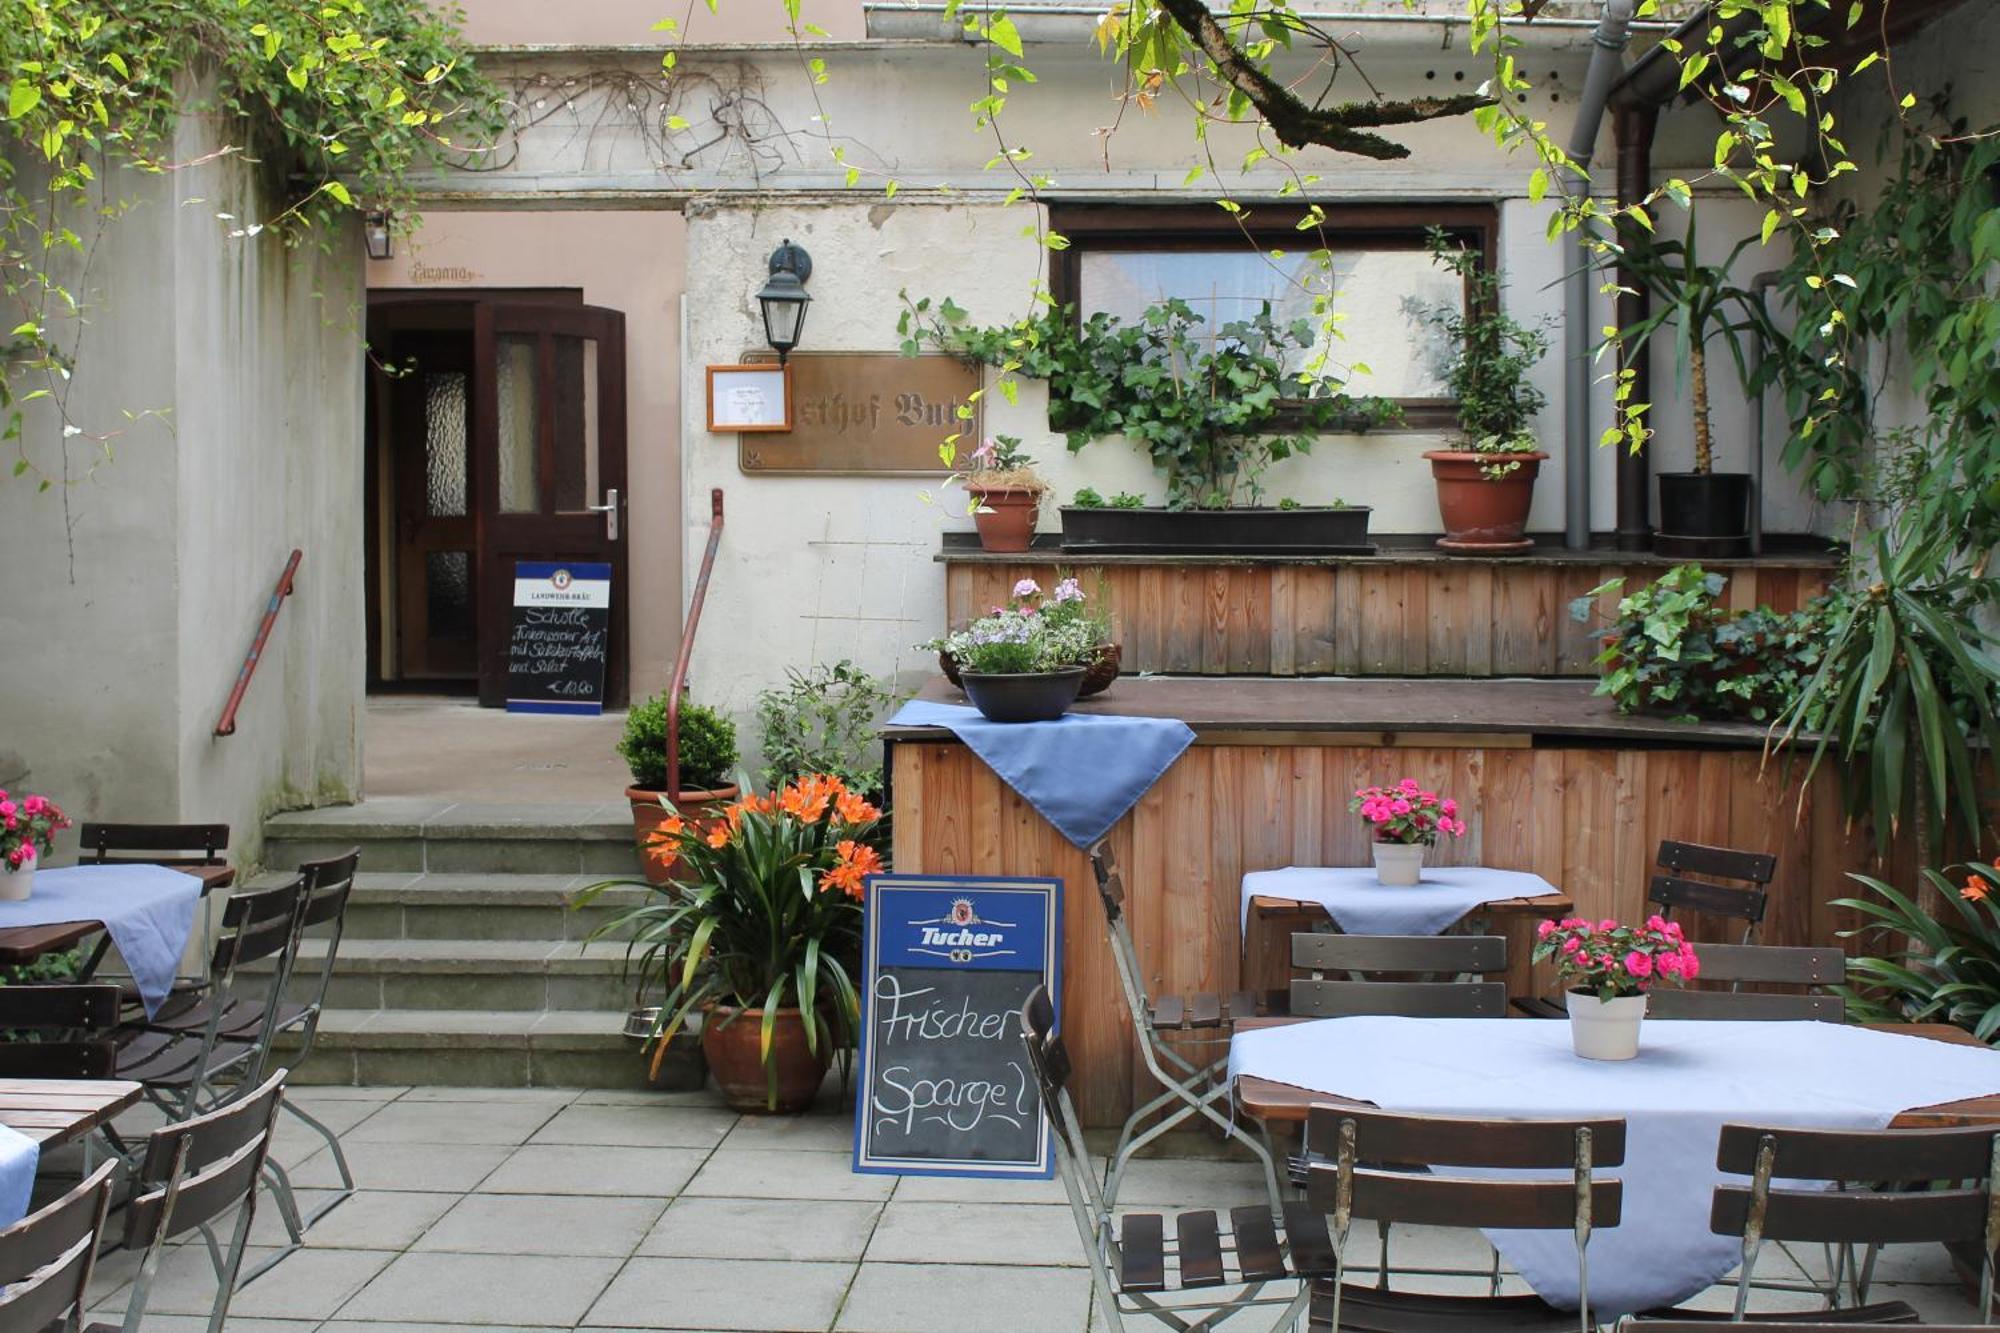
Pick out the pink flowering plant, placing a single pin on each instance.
(1035, 631)
(1408, 813)
(28, 827)
(1609, 960)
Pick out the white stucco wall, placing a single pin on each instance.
(228, 373)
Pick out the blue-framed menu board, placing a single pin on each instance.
(559, 636)
(947, 962)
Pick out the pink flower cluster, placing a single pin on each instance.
(1407, 813)
(1611, 960)
(28, 827)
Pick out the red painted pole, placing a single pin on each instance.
(227, 726)
(687, 646)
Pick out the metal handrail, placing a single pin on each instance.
(227, 726)
(687, 646)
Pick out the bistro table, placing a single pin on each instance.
(57, 1111)
(1689, 1080)
(24, 944)
(1277, 903)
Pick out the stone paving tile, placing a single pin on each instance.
(193, 1323)
(310, 1284)
(638, 1097)
(508, 1123)
(788, 1229)
(794, 1175)
(428, 1167)
(786, 1133)
(1155, 1182)
(637, 1126)
(366, 1220)
(483, 1289)
(657, 1173)
(550, 1097)
(752, 1294)
(915, 1298)
(544, 1224)
(961, 1189)
(341, 1092)
(971, 1234)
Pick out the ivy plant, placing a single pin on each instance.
(1212, 407)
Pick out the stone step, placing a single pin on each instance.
(398, 905)
(446, 837)
(468, 974)
(472, 1048)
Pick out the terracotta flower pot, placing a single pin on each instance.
(731, 1038)
(1484, 515)
(1005, 517)
(702, 808)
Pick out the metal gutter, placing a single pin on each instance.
(1312, 15)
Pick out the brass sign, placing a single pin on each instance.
(873, 413)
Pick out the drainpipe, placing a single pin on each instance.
(1608, 42)
(1761, 285)
(1633, 126)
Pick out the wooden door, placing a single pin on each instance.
(437, 525)
(548, 434)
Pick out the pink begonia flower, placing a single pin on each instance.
(1607, 924)
(1450, 807)
(8, 807)
(1408, 784)
(1068, 591)
(1400, 806)
(1545, 929)
(1656, 922)
(1572, 944)
(1027, 588)
(987, 448)
(1668, 964)
(1638, 964)
(34, 805)
(1690, 963)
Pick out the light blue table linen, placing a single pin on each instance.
(19, 1156)
(1362, 905)
(147, 910)
(1082, 772)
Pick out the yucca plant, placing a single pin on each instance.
(1929, 969)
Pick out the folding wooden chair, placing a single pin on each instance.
(1743, 900)
(1417, 976)
(47, 1258)
(1138, 1270)
(63, 1031)
(1201, 1023)
(159, 845)
(1391, 1168)
(190, 1175)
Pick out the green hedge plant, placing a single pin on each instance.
(707, 740)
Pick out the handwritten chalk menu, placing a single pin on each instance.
(559, 636)
(947, 962)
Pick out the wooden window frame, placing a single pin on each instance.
(1401, 226)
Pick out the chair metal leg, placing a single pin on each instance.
(346, 1190)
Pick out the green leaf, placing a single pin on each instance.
(1003, 34)
(22, 98)
(339, 192)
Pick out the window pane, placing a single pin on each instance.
(575, 403)
(520, 422)
(448, 594)
(1379, 295)
(444, 443)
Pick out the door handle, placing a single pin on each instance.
(610, 511)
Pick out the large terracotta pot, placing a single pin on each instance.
(703, 808)
(731, 1038)
(1005, 517)
(1483, 514)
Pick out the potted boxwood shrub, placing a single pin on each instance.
(766, 904)
(1486, 485)
(708, 757)
(1703, 513)
(1212, 408)
(1006, 494)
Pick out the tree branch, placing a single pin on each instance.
(1294, 122)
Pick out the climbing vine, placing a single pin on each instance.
(337, 103)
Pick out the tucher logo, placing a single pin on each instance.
(961, 935)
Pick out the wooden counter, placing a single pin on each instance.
(1550, 779)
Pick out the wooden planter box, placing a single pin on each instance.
(1311, 530)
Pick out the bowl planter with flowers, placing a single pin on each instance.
(1006, 494)
(1020, 664)
(751, 936)
(1404, 820)
(1486, 484)
(1607, 969)
(28, 828)
(1066, 603)
(707, 757)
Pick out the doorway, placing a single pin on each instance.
(496, 433)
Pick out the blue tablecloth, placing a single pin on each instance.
(19, 1156)
(147, 910)
(1082, 772)
(1360, 904)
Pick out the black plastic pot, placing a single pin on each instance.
(1303, 531)
(1704, 513)
(1031, 696)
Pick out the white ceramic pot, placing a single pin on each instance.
(1399, 864)
(16, 885)
(1605, 1029)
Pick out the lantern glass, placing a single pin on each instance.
(380, 239)
(784, 301)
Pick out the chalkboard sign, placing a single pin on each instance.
(557, 643)
(947, 962)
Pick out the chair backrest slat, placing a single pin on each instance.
(1753, 1006)
(72, 1024)
(1389, 1139)
(331, 883)
(46, 1258)
(1959, 1153)
(1451, 1201)
(1408, 999)
(257, 923)
(221, 1151)
(1772, 963)
(160, 844)
(1324, 952)
(1671, 893)
(1693, 858)
(59, 1006)
(1857, 1217)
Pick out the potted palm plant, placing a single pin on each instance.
(707, 757)
(1486, 485)
(1703, 513)
(753, 935)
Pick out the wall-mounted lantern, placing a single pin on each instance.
(376, 230)
(784, 298)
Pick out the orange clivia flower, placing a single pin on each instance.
(1975, 889)
(667, 835)
(852, 809)
(807, 799)
(857, 862)
(719, 836)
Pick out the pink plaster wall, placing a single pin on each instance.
(631, 262)
(630, 22)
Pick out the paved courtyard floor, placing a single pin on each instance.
(550, 1209)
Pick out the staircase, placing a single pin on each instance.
(462, 963)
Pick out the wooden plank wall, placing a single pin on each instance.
(1588, 820)
(1366, 617)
